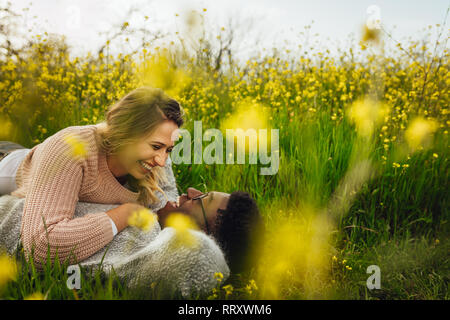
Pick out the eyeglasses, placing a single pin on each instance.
(200, 197)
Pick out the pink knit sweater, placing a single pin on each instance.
(52, 181)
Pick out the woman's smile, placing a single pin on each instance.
(145, 166)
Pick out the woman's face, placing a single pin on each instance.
(211, 202)
(149, 151)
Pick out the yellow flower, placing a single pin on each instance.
(214, 294)
(143, 219)
(35, 296)
(435, 155)
(228, 289)
(182, 223)
(419, 131)
(247, 116)
(8, 269)
(218, 276)
(78, 148)
(366, 114)
(251, 286)
(370, 34)
(334, 258)
(395, 165)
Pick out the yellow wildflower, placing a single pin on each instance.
(366, 114)
(218, 276)
(182, 223)
(35, 296)
(143, 219)
(78, 148)
(251, 286)
(370, 34)
(395, 165)
(228, 289)
(8, 269)
(418, 132)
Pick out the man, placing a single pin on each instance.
(233, 220)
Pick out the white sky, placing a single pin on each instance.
(275, 20)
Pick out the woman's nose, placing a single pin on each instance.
(160, 160)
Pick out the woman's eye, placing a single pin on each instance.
(156, 147)
(169, 150)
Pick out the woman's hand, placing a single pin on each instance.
(120, 214)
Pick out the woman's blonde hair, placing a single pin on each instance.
(134, 116)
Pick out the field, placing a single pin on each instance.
(363, 157)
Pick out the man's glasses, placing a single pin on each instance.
(200, 197)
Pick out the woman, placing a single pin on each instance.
(95, 163)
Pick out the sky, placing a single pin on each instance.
(276, 23)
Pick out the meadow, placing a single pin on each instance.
(363, 149)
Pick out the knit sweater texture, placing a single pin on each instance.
(52, 179)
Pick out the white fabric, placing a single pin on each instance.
(8, 169)
(113, 225)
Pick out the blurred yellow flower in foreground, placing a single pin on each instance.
(248, 116)
(78, 148)
(143, 219)
(296, 255)
(8, 269)
(35, 296)
(366, 114)
(6, 126)
(370, 34)
(182, 223)
(418, 133)
(159, 71)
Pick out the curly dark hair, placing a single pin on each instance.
(238, 229)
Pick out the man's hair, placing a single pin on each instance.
(238, 230)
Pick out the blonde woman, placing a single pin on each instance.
(124, 160)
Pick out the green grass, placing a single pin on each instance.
(393, 222)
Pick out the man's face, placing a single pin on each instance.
(211, 203)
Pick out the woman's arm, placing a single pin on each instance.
(47, 223)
